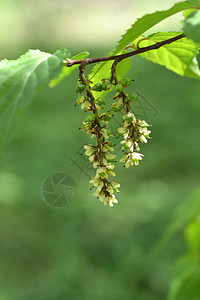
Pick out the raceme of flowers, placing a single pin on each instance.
(134, 132)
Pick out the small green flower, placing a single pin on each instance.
(142, 123)
(110, 156)
(90, 149)
(81, 99)
(92, 158)
(129, 162)
(105, 133)
(122, 130)
(85, 105)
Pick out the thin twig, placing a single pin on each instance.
(157, 45)
(116, 81)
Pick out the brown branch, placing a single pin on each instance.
(71, 62)
(116, 81)
(113, 71)
(84, 81)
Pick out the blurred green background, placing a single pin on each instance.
(86, 250)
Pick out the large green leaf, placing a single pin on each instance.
(19, 79)
(179, 56)
(191, 26)
(148, 21)
(66, 71)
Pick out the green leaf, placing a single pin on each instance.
(198, 59)
(19, 79)
(66, 71)
(186, 282)
(192, 234)
(193, 70)
(62, 53)
(179, 56)
(195, 3)
(123, 67)
(182, 216)
(191, 26)
(148, 21)
(187, 12)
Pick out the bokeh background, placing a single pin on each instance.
(85, 250)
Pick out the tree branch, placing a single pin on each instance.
(120, 57)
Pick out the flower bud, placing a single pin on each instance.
(117, 108)
(118, 88)
(97, 87)
(133, 97)
(106, 85)
(100, 101)
(80, 87)
(125, 82)
(90, 118)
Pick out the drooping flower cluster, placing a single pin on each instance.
(134, 131)
(99, 155)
